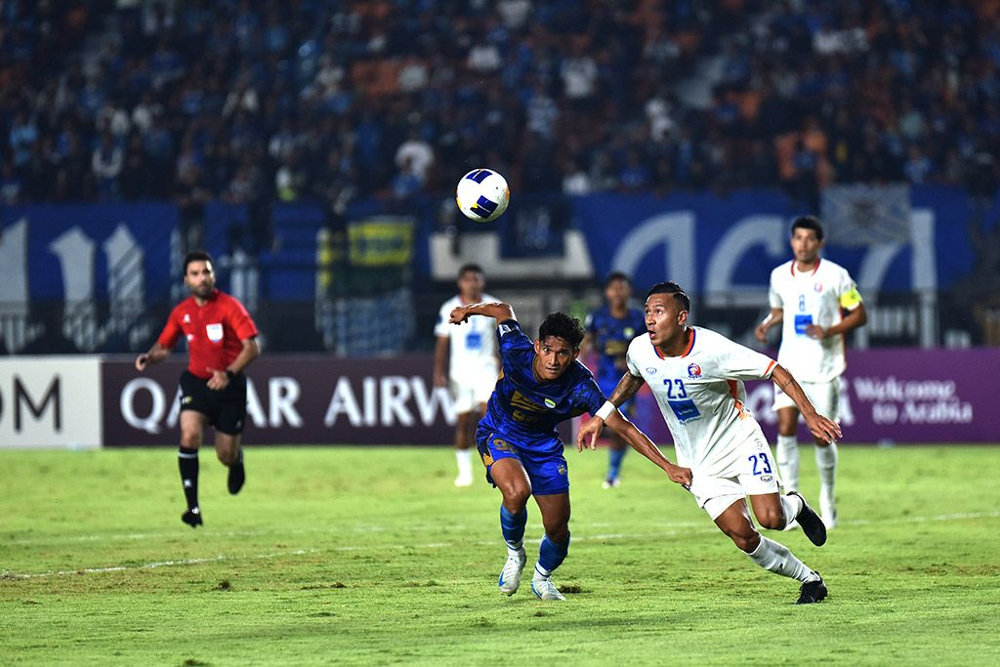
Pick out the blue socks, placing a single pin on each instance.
(550, 556)
(615, 457)
(512, 527)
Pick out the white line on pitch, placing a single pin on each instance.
(335, 529)
(706, 528)
(154, 565)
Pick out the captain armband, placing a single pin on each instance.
(850, 299)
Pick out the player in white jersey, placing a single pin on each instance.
(469, 352)
(696, 376)
(808, 296)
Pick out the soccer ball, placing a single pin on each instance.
(482, 195)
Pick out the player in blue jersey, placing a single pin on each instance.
(610, 329)
(541, 383)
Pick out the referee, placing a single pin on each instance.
(222, 341)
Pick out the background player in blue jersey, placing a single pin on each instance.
(610, 329)
(541, 383)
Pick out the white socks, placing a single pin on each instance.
(826, 462)
(464, 459)
(788, 461)
(791, 506)
(778, 559)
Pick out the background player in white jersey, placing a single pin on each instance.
(465, 361)
(808, 296)
(696, 377)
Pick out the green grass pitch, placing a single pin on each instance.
(371, 556)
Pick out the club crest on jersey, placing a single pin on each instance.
(549, 403)
(629, 332)
(818, 287)
(214, 332)
(694, 371)
(187, 318)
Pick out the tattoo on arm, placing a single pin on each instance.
(627, 387)
(783, 382)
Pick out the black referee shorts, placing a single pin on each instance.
(226, 409)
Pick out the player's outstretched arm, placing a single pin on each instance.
(627, 387)
(641, 443)
(819, 426)
(498, 310)
(155, 355)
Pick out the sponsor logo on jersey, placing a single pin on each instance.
(766, 478)
(519, 400)
(214, 332)
(187, 318)
(549, 403)
(651, 370)
(629, 332)
(694, 371)
(505, 329)
(190, 337)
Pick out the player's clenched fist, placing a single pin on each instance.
(680, 475)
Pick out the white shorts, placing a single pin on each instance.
(752, 471)
(471, 392)
(825, 397)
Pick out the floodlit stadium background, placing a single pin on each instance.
(314, 148)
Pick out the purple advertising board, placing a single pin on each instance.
(892, 395)
(292, 400)
(905, 396)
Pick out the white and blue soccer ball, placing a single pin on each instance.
(482, 195)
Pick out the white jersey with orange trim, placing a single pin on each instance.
(814, 297)
(701, 396)
(473, 344)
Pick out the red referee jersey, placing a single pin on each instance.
(214, 331)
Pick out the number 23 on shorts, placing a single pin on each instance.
(761, 464)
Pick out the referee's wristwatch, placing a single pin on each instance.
(231, 375)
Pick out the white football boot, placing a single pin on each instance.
(510, 576)
(543, 589)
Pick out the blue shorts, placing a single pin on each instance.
(607, 386)
(547, 470)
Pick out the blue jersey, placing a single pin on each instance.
(526, 410)
(611, 337)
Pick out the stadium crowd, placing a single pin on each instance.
(245, 100)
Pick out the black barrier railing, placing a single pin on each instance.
(401, 319)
